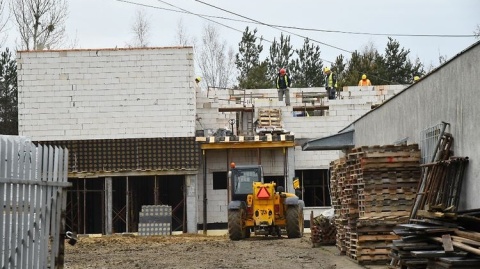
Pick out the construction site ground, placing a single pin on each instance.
(188, 251)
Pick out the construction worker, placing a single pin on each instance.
(364, 81)
(283, 82)
(330, 83)
(196, 86)
(416, 78)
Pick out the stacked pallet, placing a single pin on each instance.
(387, 188)
(350, 201)
(269, 121)
(376, 194)
(337, 178)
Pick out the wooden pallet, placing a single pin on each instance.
(269, 117)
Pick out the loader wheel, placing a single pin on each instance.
(235, 225)
(247, 232)
(294, 222)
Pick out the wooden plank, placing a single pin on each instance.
(382, 214)
(468, 234)
(435, 215)
(383, 237)
(377, 251)
(461, 261)
(436, 254)
(390, 159)
(466, 241)
(415, 154)
(447, 243)
(461, 246)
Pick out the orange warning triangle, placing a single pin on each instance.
(263, 193)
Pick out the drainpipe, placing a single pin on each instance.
(204, 192)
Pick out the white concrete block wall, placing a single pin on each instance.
(106, 93)
(340, 114)
(305, 160)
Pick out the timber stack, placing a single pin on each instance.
(438, 235)
(376, 187)
(323, 231)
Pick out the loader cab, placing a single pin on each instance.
(241, 180)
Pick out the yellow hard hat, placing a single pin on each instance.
(364, 76)
(326, 69)
(198, 79)
(416, 78)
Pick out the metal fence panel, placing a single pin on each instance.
(32, 191)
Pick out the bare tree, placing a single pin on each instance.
(41, 23)
(4, 16)
(181, 37)
(215, 62)
(140, 29)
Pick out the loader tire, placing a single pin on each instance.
(294, 222)
(235, 225)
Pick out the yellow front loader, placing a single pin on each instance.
(257, 207)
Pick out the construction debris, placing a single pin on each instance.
(436, 236)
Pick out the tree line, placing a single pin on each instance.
(305, 65)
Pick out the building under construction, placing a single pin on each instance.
(140, 132)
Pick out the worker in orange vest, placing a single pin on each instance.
(364, 81)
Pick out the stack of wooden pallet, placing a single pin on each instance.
(376, 194)
(269, 121)
(337, 182)
(350, 201)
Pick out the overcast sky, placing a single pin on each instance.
(107, 23)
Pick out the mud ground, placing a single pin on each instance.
(199, 251)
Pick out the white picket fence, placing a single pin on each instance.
(32, 199)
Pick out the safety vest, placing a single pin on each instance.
(330, 81)
(285, 79)
(365, 82)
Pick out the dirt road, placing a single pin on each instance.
(197, 251)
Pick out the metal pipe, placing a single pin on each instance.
(204, 192)
(127, 208)
(285, 168)
(229, 198)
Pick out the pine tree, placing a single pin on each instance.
(280, 57)
(398, 67)
(252, 70)
(307, 68)
(8, 94)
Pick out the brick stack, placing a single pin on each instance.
(155, 220)
(381, 182)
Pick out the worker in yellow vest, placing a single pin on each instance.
(364, 81)
(330, 83)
